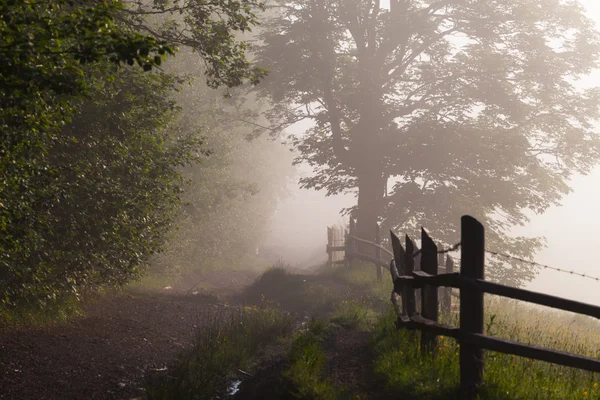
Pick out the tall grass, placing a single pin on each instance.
(306, 376)
(292, 292)
(229, 340)
(404, 371)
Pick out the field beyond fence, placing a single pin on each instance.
(423, 280)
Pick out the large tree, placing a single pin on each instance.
(432, 109)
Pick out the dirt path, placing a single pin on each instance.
(106, 353)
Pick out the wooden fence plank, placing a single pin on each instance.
(532, 297)
(378, 251)
(470, 280)
(418, 279)
(534, 352)
(429, 293)
(471, 306)
(504, 345)
(329, 244)
(397, 268)
(409, 266)
(442, 270)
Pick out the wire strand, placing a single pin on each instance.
(572, 272)
(448, 250)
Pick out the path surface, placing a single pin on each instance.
(106, 353)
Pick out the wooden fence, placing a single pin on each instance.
(343, 248)
(472, 285)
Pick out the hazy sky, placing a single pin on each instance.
(572, 230)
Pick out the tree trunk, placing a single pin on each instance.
(369, 207)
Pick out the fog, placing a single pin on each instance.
(571, 230)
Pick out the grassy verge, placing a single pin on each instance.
(55, 311)
(230, 340)
(404, 372)
(350, 302)
(292, 292)
(306, 376)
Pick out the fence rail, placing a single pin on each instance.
(343, 247)
(355, 248)
(472, 285)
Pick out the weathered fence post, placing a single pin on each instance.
(378, 250)
(409, 267)
(350, 243)
(329, 244)
(429, 294)
(396, 270)
(471, 306)
(417, 266)
(447, 292)
(441, 270)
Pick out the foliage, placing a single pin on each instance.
(105, 195)
(227, 341)
(404, 372)
(90, 157)
(434, 109)
(45, 47)
(211, 29)
(307, 372)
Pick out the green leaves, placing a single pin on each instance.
(103, 195)
(431, 110)
(212, 30)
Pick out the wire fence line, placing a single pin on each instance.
(345, 248)
(572, 272)
(457, 246)
(444, 251)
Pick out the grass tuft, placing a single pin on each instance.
(228, 341)
(306, 375)
(354, 314)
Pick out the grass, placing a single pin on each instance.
(404, 372)
(306, 376)
(351, 299)
(230, 340)
(291, 292)
(355, 315)
(35, 315)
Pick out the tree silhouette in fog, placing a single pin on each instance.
(428, 110)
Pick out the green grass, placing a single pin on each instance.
(397, 367)
(306, 376)
(291, 292)
(57, 311)
(229, 340)
(404, 372)
(363, 277)
(354, 314)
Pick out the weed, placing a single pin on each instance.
(353, 314)
(405, 372)
(306, 376)
(229, 340)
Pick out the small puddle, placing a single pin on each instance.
(234, 387)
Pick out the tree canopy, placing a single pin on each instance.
(428, 110)
(91, 154)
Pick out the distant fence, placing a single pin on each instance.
(343, 248)
(472, 285)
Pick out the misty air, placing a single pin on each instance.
(311, 199)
